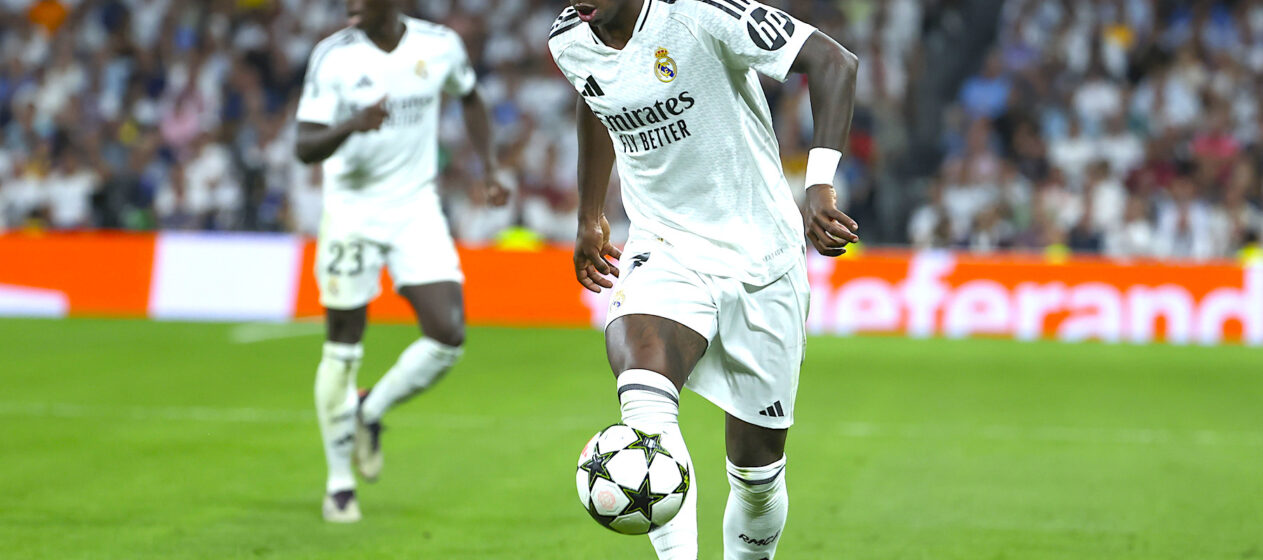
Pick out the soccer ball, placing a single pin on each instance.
(629, 482)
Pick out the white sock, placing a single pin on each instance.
(336, 402)
(757, 506)
(418, 368)
(677, 540)
(650, 403)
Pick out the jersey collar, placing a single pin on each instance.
(407, 30)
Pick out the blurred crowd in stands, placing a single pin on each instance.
(1126, 127)
(1131, 128)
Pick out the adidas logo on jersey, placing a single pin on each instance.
(592, 89)
(774, 411)
(364, 82)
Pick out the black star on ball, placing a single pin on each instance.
(651, 444)
(683, 488)
(641, 499)
(597, 467)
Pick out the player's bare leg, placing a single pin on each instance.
(336, 403)
(346, 326)
(440, 312)
(652, 358)
(758, 502)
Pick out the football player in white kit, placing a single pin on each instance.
(369, 111)
(712, 286)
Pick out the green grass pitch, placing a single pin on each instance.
(143, 440)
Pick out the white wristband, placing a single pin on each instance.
(822, 166)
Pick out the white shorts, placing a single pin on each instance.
(351, 252)
(756, 334)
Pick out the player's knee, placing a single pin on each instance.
(448, 335)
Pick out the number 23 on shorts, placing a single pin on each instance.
(353, 252)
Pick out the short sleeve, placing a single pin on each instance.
(319, 101)
(753, 35)
(566, 73)
(461, 79)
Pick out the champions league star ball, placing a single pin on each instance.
(629, 482)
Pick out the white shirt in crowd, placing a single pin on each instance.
(479, 224)
(70, 198)
(23, 195)
(1127, 240)
(1200, 238)
(1098, 100)
(921, 226)
(1124, 151)
(1072, 154)
(1180, 106)
(964, 202)
(212, 185)
(1109, 201)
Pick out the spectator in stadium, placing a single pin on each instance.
(1243, 220)
(990, 232)
(986, 94)
(1133, 237)
(22, 194)
(175, 207)
(1072, 153)
(1124, 149)
(1187, 223)
(930, 226)
(1104, 201)
(69, 190)
(1098, 99)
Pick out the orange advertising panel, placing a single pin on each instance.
(1028, 297)
(81, 273)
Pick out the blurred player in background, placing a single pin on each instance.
(370, 111)
(713, 286)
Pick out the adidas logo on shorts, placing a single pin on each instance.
(774, 411)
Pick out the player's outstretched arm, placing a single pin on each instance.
(596, 160)
(316, 142)
(831, 72)
(478, 126)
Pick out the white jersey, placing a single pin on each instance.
(379, 174)
(698, 159)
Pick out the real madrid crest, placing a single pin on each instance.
(664, 66)
(420, 69)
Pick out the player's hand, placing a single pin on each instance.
(590, 250)
(496, 191)
(827, 227)
(370, 118)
